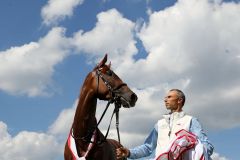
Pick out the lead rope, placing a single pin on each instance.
(117, 106)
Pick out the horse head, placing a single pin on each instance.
(110, 87)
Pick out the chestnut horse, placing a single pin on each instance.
(85, 138)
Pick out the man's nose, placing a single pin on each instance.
(165, 99)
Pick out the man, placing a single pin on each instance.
(165, 131)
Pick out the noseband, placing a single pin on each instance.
(112, 90)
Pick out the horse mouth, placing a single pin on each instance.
(125, 103)
(128, 103)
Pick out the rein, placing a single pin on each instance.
(114, 99)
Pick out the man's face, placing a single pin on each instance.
(173, 102)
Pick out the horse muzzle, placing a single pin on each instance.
(128, 99)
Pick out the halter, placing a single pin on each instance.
(112, 90)
(114, 99)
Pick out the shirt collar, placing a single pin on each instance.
(176, 115)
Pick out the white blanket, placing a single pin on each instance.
(185, 146)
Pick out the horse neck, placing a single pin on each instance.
(84, 119)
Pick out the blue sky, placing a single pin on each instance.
(47, 47)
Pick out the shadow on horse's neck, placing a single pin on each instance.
(84, 117)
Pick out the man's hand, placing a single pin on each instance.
(122, 153)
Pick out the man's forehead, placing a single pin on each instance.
(172, 93)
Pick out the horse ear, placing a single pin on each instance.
(102, 62)
(109, 65)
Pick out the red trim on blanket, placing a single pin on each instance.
(202, 157)
(69, 146)
(191, 136)
(90, 145)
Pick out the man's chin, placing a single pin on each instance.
(168, 107)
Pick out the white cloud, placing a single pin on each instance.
(216, 156)
(28, 145)
(37, 145)
(191, 46)
(28, 69)
(113, 34)
(57, 10)
(3, 132)
(61, 126)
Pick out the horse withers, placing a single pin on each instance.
(85, 140)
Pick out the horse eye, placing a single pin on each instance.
(109, 73)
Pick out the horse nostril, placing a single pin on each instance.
(134, 97)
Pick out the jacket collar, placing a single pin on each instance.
(176, 115)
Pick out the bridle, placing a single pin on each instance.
(116, 99)
(112, 90)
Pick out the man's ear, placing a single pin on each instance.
(180, 101)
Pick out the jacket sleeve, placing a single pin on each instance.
(147, 148)
(196, 128)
